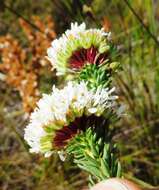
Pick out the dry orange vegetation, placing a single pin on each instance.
(22, 65)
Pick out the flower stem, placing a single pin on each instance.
(95, 156)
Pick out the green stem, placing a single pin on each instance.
(95, 156)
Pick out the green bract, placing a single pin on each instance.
(98, 76)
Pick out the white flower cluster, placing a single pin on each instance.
(76, 37)
(62, 107)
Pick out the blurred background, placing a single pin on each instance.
(26, 31)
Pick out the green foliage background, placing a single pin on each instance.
(137, 134)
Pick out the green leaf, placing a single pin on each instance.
(118, 170)
(105, 168)
(93, 155)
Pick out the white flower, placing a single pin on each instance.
(73, 39)
(76, 29)
(60, 108)
(33, 134)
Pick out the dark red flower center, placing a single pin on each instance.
(82, 56)
(67, 132)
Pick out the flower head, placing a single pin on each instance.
(77, 47)
(60, 115)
